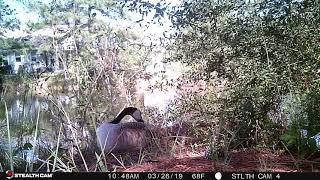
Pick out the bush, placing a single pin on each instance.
(303, 114)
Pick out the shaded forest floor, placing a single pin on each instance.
(247, 160)
(187, 159)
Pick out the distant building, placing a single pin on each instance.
(30, 62)
(35, 60)
(43, 57)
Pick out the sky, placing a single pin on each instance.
(24, 16)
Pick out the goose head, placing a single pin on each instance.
(132, 111)
(115, 136)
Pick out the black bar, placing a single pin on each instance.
(164, 175)
(270, 176)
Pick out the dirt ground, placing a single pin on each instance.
(237, 161)
(194, 160)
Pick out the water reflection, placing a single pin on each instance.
(23, 112)
(27, 108)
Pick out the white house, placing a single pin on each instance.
(34, 60)
(28, 62)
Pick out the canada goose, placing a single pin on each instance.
(119, 137)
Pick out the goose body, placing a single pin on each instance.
(119, 137)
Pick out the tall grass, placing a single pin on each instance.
(35, 140)
(9, 136)
(57, 149)
(73, 133)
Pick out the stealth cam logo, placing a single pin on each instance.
(9, 174)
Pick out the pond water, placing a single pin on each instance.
(23, 111)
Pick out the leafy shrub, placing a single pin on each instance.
(303, 113)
